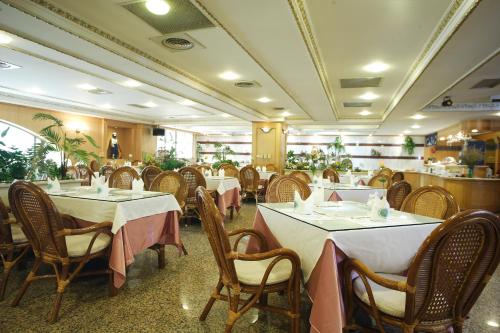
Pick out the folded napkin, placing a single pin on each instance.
(222, 173)
(379, 209)
(318, 193)
(264, 169)
(96, 175)
(137, 185)
(326, 180)
(300, 206)
(371, 199)
(207, 173)
(127, 163)
(53, 185)
(101, 186)
(316, 180)
(370, 173)
(258, 168)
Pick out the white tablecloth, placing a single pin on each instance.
(222, 184)
(345, 179)
(93, 209)
(383, 249)
(358, 193)
(266, 174)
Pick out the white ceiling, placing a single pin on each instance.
(297, 50)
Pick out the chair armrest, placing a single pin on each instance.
(265, 255)
(103, 227)
(248, 232)
(69, 221)
(363, 270)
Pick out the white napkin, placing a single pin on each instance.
(327, 180)
(370, 173)
(380, 209)
(300, 206)
(207, 173)
(348, 172)
(96, 175)
(222, 172)
(102, 188)
(53, 185)
(318, 193)
(316, 180)
(127, 163)
(264, 169)
(371, 199)
(137, 185)
(258, 168)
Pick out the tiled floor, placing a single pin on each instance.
(169, 300)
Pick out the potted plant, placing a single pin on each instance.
(471, 157)
(338, 148)
(409, 146)
(169, 160)
(68, 147)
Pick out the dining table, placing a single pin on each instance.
(140, 219)
(332, 232)
(227, 191)
(349, 192)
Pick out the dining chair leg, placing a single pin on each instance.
(458, 327)
(184, 250)
(31, 276)
(62, 283)
(211, 301)
(231, 212)
(7, 267)
(161, 256)
(113, 291)
(233, 315)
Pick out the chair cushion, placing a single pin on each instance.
(18, 235)
(391, 302)
(77, 245)
(251, 272)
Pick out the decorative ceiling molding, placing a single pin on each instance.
(107, 36)
(301, 18)
(458, 11)
(219, 24)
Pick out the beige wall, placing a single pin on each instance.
(268, 148)
(133, 138)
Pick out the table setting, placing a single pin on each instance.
(227, 190)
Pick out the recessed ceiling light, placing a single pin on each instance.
(195, 116)
(185, 306)
(365, 113)
(475, 130)
(4, 38)
(106, 106)
(442, 138)
(286, 114)
(492, 323)
(417, 116)
(416, 126)
(86, 86)
(225, 115)
(406, 131)
(264, 100)
(187, 102)
(369, 96)
(228, 75)
(131, 83)
(157, 7)
(150, 104)
(376, 67)
(35, 90)
(370, 134)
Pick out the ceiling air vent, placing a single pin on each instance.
(279, 108)
(176, 43)
(6, 65)
(140, 106)
(362, 82)
(247, 84)
(99, 91)
(357, 104)
(486, 84)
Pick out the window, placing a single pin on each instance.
(182, 141)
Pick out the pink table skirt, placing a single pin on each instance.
(231, 198)
(136, 236)
(323, 287)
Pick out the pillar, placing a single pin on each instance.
(269, 144)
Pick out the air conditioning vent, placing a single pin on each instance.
(486, 84)
(363, 82)
(6, 65)
(357, 104)
(279, 108)
(177, 43)
(247, 84)
(139, 106)
(99, 91)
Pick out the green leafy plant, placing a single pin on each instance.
(337, 148)
(471, 156)
(222, 152)
(375, 152)
(68, 147)
(168, 160)
(39, 167)
(409, 145)
(12, 161)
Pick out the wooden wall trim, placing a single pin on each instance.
(350, 144)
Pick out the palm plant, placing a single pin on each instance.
(338, 148)
(68, 147)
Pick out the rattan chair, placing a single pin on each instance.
(432, 201)
(256, 275)
(273, 177)
(148, 174)
(72, 172)
(444, 280)
(331, 174)
(453, 207)
(13, 245)
(302, 176)
(203, 168)
(122, 178)
(397, 193)
(386, 171)
(56, 240)
(193, 178)
(86, 174)
(229, 170)
(271, 167)
(283, 189)
(94, 166)
(106, 171)
(380, 180)
(397, 176)
(250, 179)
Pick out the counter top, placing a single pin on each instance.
(454, 178)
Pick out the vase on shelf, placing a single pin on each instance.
(470, 172)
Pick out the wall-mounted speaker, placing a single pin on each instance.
(157, 131)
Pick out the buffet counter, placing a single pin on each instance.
(470, 193)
